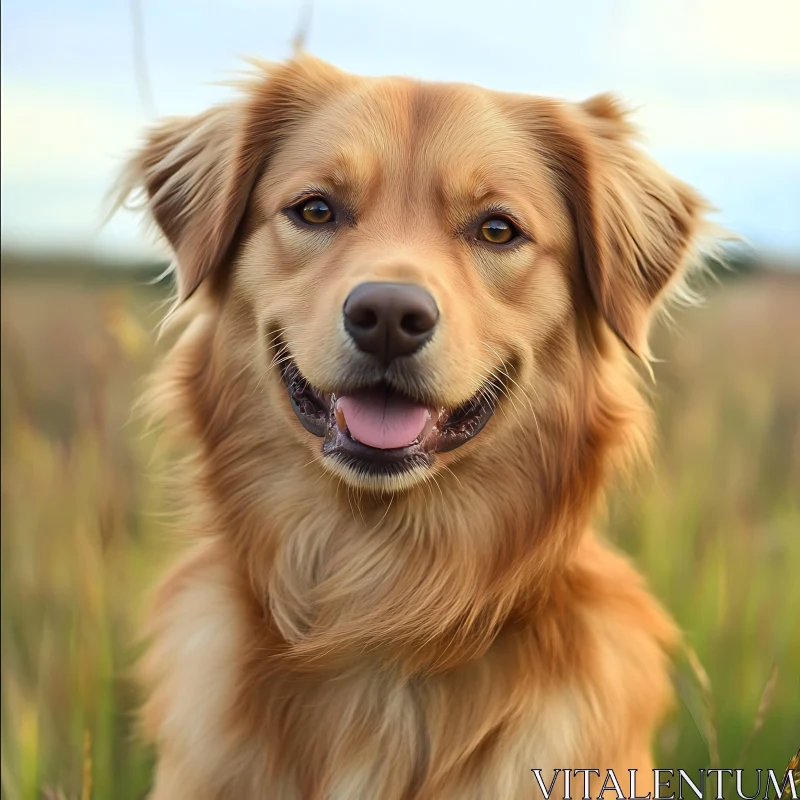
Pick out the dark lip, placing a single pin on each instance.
(315, 409)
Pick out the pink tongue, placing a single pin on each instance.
(383, 421)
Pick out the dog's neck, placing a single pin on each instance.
(419, 578)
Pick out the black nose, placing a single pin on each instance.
(390, 319)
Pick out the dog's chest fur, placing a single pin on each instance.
(472, 732)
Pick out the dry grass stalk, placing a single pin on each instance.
(708, 700)
(794, 768)
(763, 707)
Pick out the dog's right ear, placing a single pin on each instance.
(197, 172)
(186, 170)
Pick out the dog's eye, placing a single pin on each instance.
(497, 230)
(315, 211)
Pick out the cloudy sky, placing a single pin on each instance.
(716, 85)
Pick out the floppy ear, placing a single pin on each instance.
(636, 224)
(197, 172)
(187, 169)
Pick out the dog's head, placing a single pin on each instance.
(410, 273)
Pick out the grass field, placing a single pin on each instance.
(715, 526)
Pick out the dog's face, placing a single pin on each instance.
(407, 266)
(415, 258)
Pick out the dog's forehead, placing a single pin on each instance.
(399, 128)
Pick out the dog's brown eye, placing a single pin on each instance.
(316, 211)
(497, 230)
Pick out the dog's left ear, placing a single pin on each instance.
(636, 225)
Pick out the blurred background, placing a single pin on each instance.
(715, 524)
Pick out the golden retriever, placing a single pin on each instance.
(406, 374)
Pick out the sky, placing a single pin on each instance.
(715, 85)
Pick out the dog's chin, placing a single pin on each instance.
(379, 438)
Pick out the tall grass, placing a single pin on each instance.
(715, 526)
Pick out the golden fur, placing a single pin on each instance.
(439, 635)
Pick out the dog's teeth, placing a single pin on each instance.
(433, 418)
(340, 420)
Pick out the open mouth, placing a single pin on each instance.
(379, 430)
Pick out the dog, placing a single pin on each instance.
(410, 318)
